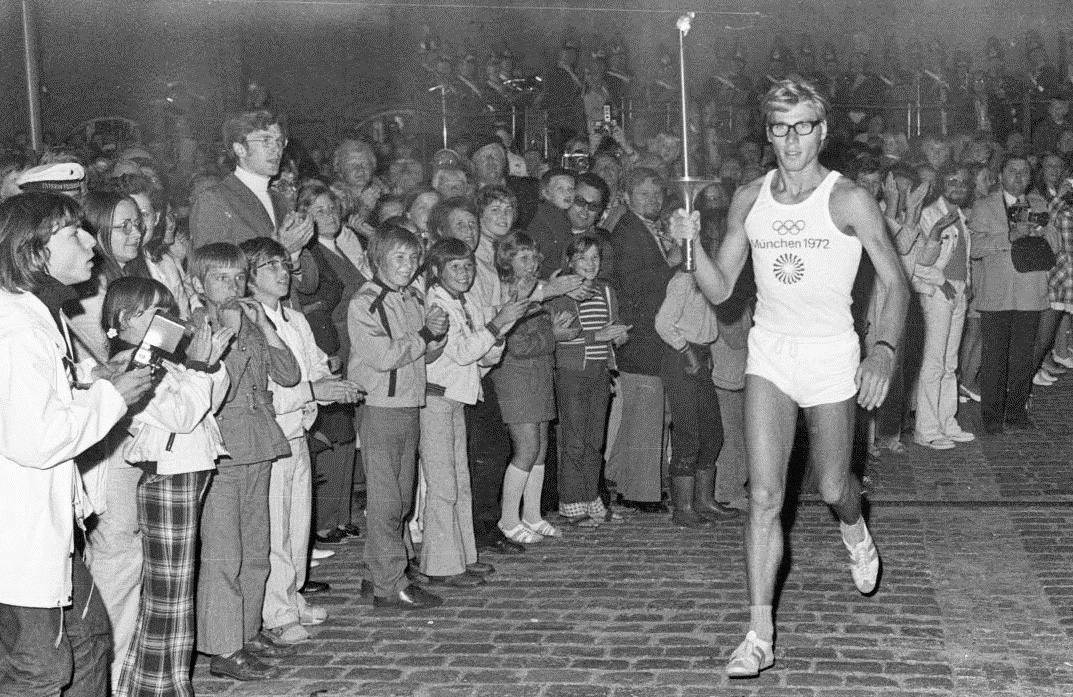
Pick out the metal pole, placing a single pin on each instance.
(33, 76)
(443, 112)
(918, 104)
(685, 103)
(689, 259)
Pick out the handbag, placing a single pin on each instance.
(1029, 253)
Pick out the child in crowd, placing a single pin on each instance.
(449, 553)
(175, 442)
(234, 523)
(583, 386)
(686, 321)
(391, 335)
(524, 383)
(290, 502)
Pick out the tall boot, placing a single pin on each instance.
(682, 497)
(704, 502)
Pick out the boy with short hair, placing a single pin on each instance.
(550, 227)
(234, 522)
(390, 334)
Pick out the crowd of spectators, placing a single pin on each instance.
(462, 355)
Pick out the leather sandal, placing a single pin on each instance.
(521, 534)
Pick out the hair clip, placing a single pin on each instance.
(111, 333)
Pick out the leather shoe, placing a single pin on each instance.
(240, 666)
(351, 530)
(367, 589)
(267, 646)
(415, 575)
(312, 587)
(644, 506)
(1021, 423)
(481, 568)
(500, 545)
(335, 536)
(410, 598)
(462, 580)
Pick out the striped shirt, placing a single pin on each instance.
(593, 314)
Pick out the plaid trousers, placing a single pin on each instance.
(160, 655)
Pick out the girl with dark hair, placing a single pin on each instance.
(173, 445)
(449, 552)
(44, 424)
(583, 385)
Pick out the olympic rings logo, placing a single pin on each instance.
(788, 227)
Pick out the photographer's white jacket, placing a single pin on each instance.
(177, 429)
(44, 424)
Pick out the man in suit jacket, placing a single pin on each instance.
(642, 263)
(1009, 301)
(241, 206)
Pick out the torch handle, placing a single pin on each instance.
(689, 249)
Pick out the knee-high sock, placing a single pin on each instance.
(534, 487)
(513, 487)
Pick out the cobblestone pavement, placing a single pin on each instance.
(976, 598)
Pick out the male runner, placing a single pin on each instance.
(805, 226)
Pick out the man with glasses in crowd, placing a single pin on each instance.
(805, 226)
(590, 200)
(241, 206)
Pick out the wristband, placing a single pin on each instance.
(889, 345)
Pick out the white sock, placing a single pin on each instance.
(761, 622)
(534, 487)
(854, 534)
(513, 486)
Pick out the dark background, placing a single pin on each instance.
(329, 61)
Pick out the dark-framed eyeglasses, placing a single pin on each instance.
(801, 128)
(591, 206)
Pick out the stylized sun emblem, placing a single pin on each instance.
(789, 268)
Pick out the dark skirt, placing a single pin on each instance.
(526, 389)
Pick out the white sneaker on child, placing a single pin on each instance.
(312, 615)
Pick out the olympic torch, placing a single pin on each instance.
(688, 186)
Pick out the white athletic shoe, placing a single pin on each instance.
(752, 656)
(864, 563)
(319, 553)
(312, 615)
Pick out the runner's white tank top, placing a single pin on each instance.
(804, 265)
